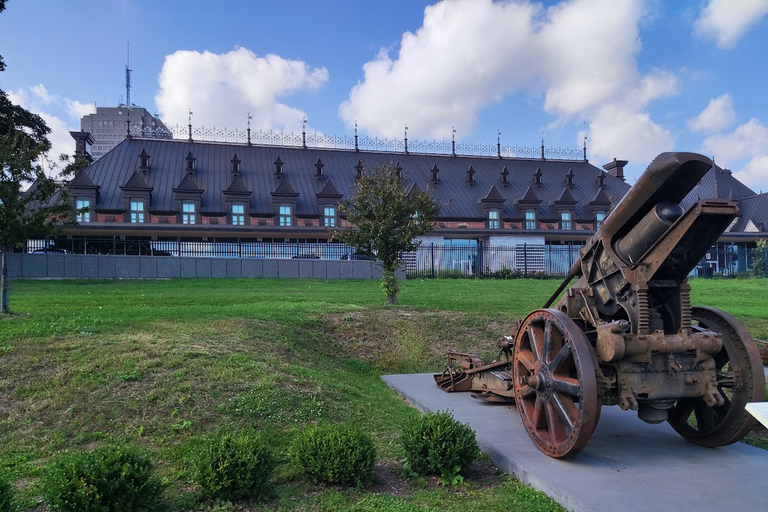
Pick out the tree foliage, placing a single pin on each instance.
(31, 203)
(384, 219)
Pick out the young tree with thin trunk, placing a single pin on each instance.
(31, 203)
(384, 219)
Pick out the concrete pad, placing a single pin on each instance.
(628, 464)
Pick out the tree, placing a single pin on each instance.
(384, 219)
(31, 203)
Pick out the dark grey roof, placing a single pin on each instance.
(135, 182)
(717, 183)
(168, 168)
(755, 209)
(237, 187)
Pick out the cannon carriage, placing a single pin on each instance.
(625, 333)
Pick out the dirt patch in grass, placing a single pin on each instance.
(397, 340)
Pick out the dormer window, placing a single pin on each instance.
(137, 212)
(188, 214)
(471, 175)
(399, 170)
(493, 219)
(83, 205)
(359, 168)
(238, 214)
(566, 222)
(286, 215)
(530, 219)
(329, 216)
(319, 169)
(504, 176)
(599, 218)
(278, 167)
(190, 163)
(435, 174)
(235, 164)
(144, 159)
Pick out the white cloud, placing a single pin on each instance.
(755, 174)
(726, 21)
(221, 88)
(746, 141)
(579, 55)
(78, 110)
(717, 116)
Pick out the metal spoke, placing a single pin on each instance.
(535, 342)
(526, 391)
(547, 342)
(566, 385)
(527, 359)
(560, 358)
(566, 411)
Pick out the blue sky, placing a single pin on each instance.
(638, 77)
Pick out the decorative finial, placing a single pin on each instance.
(498, 143)
(453, 140)
(585, 142)
(249, 129)
(190, 124)
(542, 144)
(406, 139)
(357, 149)
(304, 132)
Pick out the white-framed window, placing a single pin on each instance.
(565, 220)
(137, 212)
(238, 214)
(188, 215)
(493, 219)
(329, 216)
(285, 215)
(530, 219)
(79, 205)
(599, 218)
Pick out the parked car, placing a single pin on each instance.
(357, 256)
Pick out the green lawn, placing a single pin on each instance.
(161, 363)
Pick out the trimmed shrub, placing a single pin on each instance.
(435, 443)
(334, 454)
(109, 479)
(7, 503)
(234, 466)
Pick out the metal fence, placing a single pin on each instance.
(429, 260)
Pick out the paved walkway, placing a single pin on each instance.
(628, 464)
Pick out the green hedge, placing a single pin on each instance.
(334, 454)
(435, 443)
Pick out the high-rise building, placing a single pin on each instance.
(110, 125)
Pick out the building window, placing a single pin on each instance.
(329, 217)
(493, 219)
(530, 219)
(81, 204)
(565, 221)
(188, 213)
(599, 217)
(285, 215)
(137, 212)
(238, 214)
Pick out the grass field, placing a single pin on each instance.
(161, 363)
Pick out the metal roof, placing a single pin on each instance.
(213, 174)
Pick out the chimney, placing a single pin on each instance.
(616, 168)
(82, 141)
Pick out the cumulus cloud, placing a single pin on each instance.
(726, 21)
(579, 56)
(747, 140)
(221, 88)
(746, 143)
(755, 173)
(717, 116)
(39, 100)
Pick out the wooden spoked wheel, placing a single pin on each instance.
(554, 380)
(740, 380)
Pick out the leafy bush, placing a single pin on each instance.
(6, 496)
(234, 466)
(435, 443)
(334, 454)
(108, 479)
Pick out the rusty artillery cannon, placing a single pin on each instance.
(625, 333)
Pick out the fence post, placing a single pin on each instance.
(525, 259)
(765, 261)
(479, 260)
(432, 257)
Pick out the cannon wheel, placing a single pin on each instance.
(740, 380)
(554, 380)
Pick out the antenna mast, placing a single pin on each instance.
(128, 77)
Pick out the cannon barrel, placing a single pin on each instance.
(668, 179)
(650, 228)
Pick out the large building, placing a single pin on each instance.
(109, 126)
(176, 192)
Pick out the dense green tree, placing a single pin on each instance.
(384, 218)
(31, 203)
